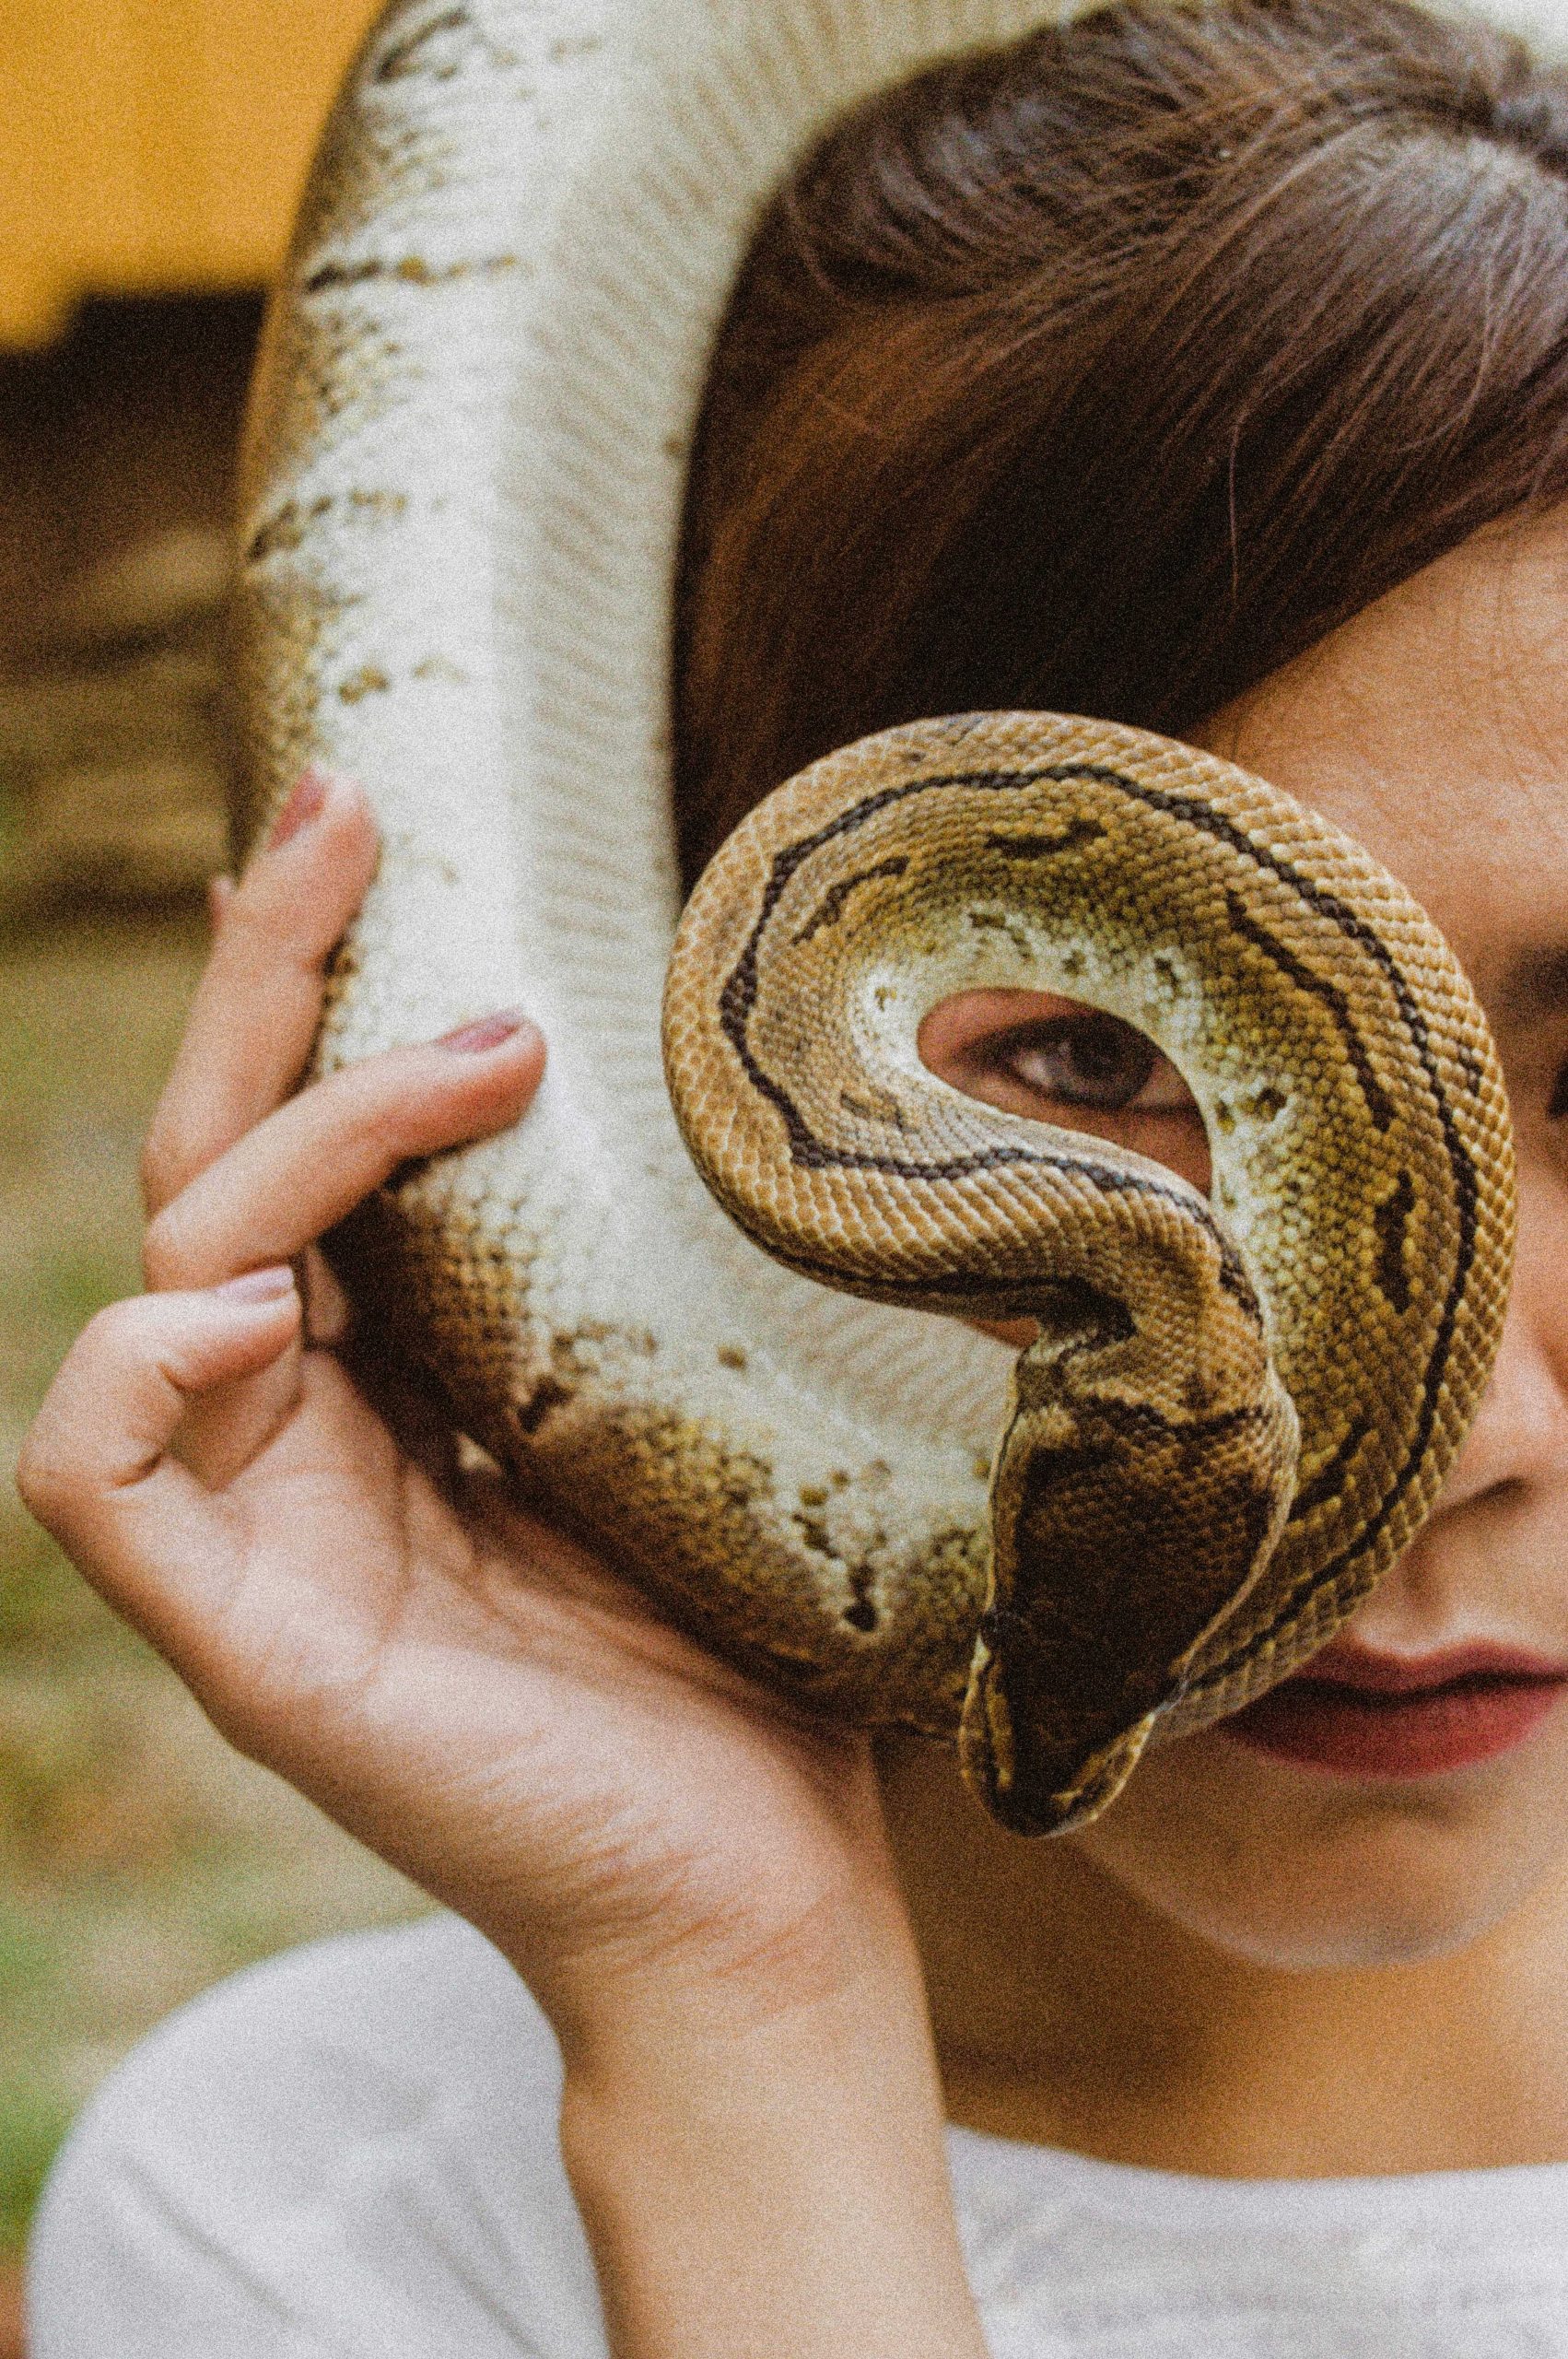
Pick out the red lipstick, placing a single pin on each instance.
(1358, 1713)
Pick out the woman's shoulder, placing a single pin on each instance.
(362, 2131)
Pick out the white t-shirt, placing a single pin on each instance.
(353, 2150)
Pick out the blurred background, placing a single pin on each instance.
(153, 155)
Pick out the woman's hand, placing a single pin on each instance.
(692, 1875)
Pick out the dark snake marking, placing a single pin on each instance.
(1022, 1294)
(738, 999)
(890, 1113)
(1047, 1467)
(410, 269)
(1332, 997)
(406, 56)
(1392, 1220)
(1078, 831)
(1141, 1421)
(830, 909)
(1325, 1484)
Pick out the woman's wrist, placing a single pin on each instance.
(757, 2144)
(777, 2185)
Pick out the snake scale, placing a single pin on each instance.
(461, 513)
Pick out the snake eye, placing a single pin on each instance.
(1084, 1060)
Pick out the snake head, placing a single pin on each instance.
(1140, 1486)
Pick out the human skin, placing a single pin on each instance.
(1304, 1948)
(742, 1942)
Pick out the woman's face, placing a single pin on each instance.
(1418, 1796)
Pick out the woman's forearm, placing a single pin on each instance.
(776, 2191)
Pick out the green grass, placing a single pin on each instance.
(33, 2125)
(139, 1858)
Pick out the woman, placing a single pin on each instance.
(1203, 369)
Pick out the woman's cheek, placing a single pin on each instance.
(1179, 1141)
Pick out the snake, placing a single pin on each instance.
(1234, 1415)
(691, 1315)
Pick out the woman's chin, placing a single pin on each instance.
(1310, 1848)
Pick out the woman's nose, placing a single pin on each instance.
(1520, 1435)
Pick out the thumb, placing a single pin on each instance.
(98, 1467)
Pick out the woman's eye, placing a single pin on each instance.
(1089, 1061)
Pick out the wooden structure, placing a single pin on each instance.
(155, 147)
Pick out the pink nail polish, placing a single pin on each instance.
(257, 1286)
(473, 1039)
(302, 806)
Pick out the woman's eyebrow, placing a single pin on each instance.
(1535, 984)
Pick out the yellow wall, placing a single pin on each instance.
(150, 146)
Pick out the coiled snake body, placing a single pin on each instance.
(1233, 1420)
(461, 513)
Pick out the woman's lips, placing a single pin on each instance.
(1357, 1713)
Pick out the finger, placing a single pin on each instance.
(259, 1002)
(97, 1468)
(235, 1419)
(300, 1172)
(225, 1431)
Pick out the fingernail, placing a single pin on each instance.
(302, 806)
(472, 1040)
(257, 1286)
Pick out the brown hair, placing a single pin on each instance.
(1106, 372)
